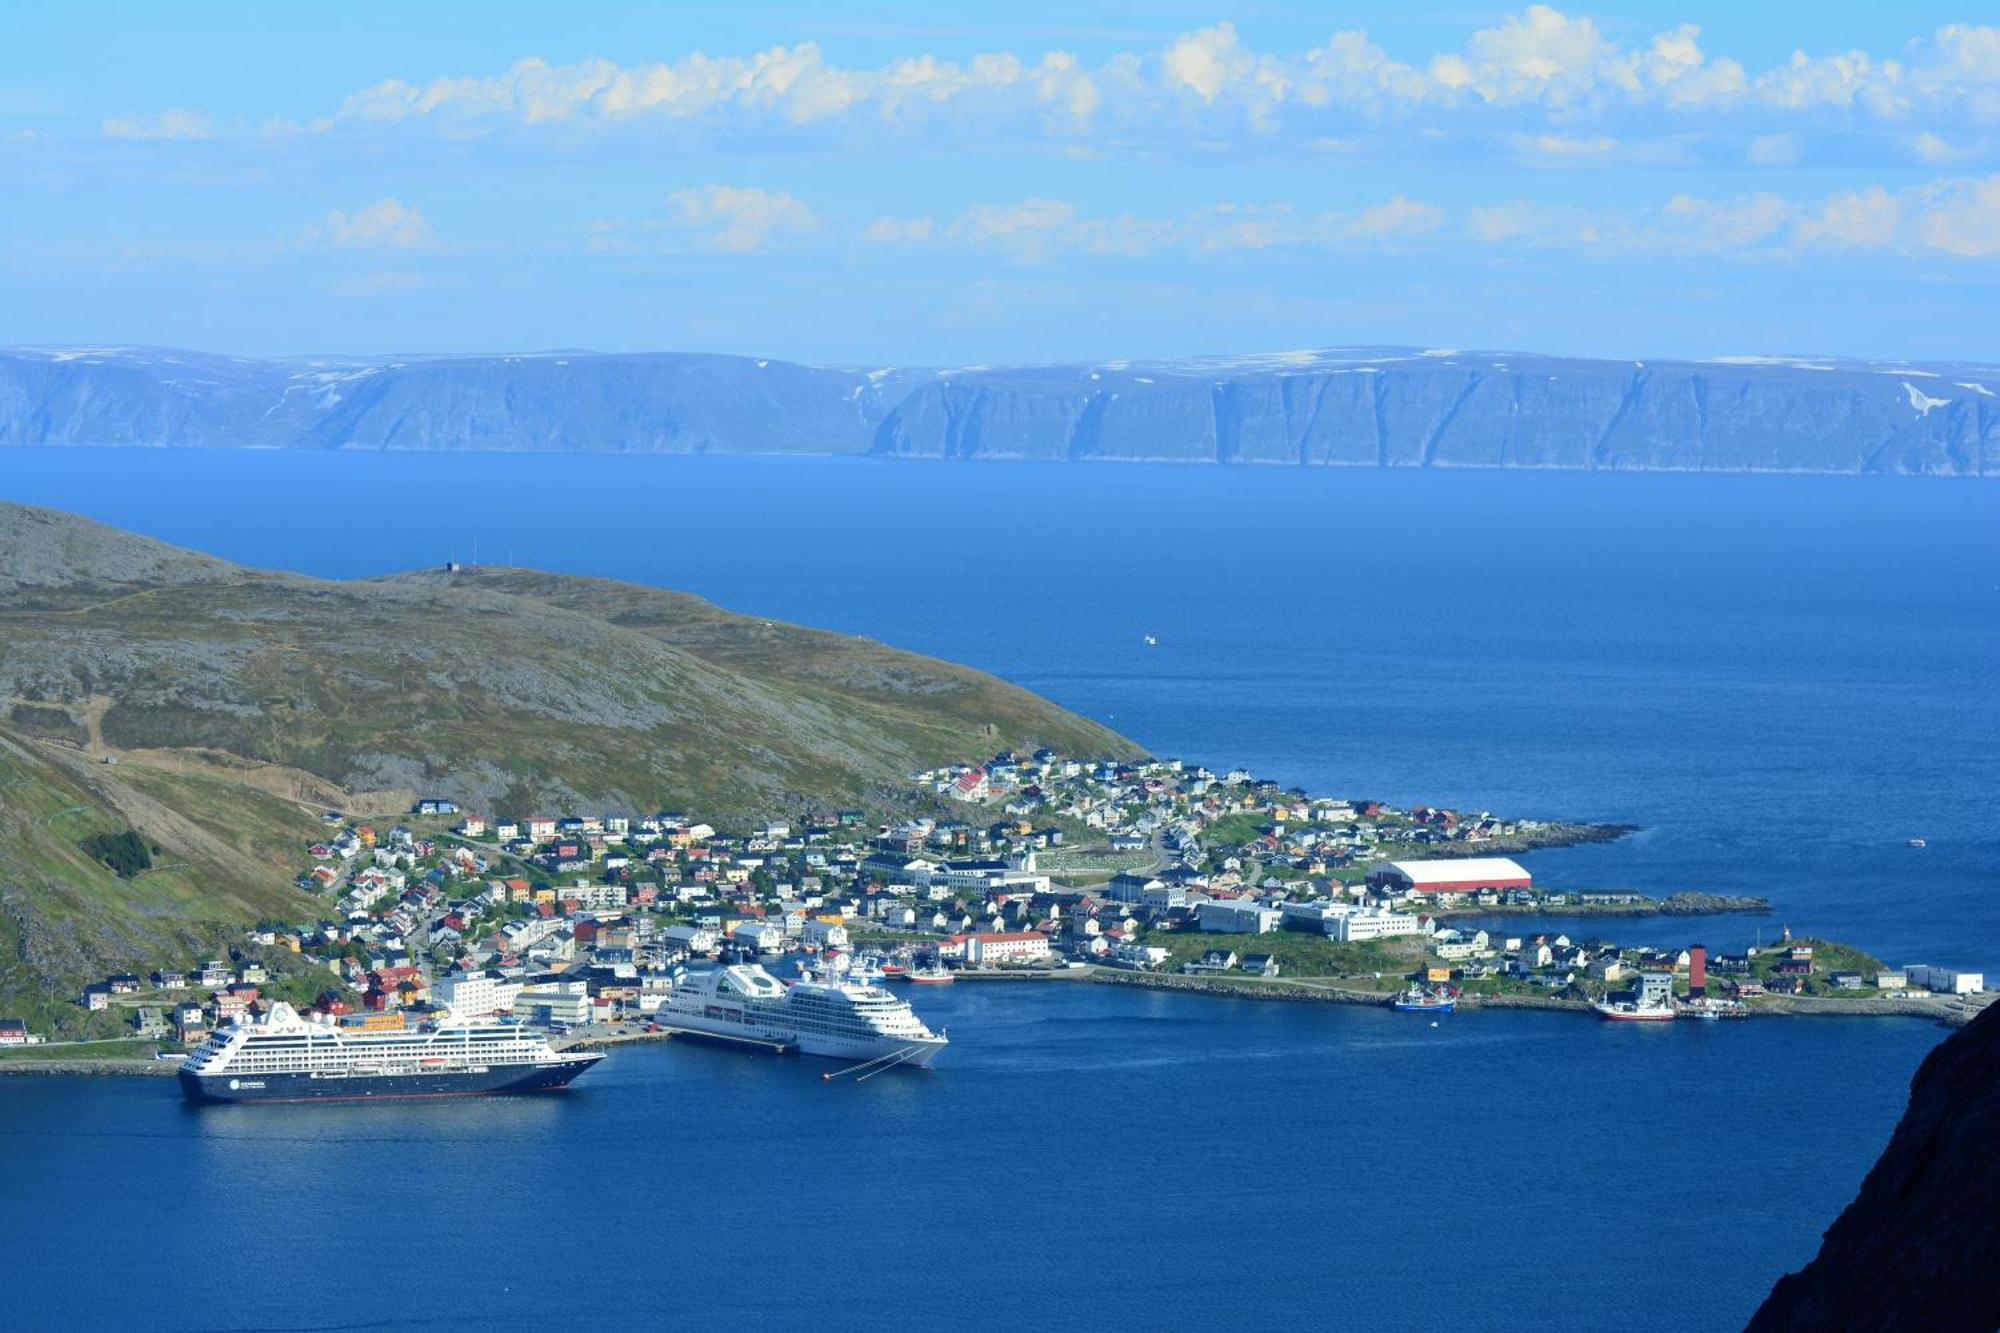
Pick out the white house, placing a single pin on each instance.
(825, 934)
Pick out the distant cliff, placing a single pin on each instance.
(1919, 1248)
(1362, 407)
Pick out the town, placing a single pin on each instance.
(1157, 872)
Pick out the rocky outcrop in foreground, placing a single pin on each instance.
(1919, 1248)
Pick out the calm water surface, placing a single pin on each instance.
(1084, 1158)
(1781, 678)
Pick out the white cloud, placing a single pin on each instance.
(1036, 229)
(386, 224)
(1539, 72)
(1725, 224)
(1954, 216)
(173, 123)
(1395, 220)
(897, 231)
(1853, 219)
(723, 219)
(1961, 217)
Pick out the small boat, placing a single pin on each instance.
(934, 975)
(1918, 842)
(1152, 642)
(1420, 1000)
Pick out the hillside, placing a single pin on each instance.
(223, 856)
(1349, 407)
(238, 703)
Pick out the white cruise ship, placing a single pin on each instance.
(283, 1057)
(837, 1019)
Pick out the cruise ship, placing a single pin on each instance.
(283, 1057)
(837, 1019)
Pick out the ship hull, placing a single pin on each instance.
(499, 1081)
(1632, 1016)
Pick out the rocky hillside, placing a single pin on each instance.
(496, 687)
(1360, 407)
(1919, 1248)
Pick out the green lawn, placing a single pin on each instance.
(95, 1050)
(1299, 954)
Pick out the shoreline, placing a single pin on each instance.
(1301, 991)
(1279, 990)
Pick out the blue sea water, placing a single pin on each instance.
(1780, 679)
(1084, 1158)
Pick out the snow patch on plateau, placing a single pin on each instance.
(1920, 402)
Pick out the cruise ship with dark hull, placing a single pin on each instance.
(283, 1057)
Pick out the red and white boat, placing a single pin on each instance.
(937, 974)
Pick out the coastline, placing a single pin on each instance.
(1299, 990)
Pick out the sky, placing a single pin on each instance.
(939, 184)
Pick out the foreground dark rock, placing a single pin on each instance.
(1919, 1248)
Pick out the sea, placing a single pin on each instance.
(1778, 680)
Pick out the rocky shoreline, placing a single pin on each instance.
(107, 1067)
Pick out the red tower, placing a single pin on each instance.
(1697, 971)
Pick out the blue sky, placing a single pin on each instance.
(906, 184)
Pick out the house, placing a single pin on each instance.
(1214, 960)
(1260, 964)
(14, 1032)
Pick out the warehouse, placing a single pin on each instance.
(1463, 874)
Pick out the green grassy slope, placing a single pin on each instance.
(224, 858)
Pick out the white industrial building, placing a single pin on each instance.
(478, 994)
(555, 1004)
(1946, 980)
(1239, 918)
(1363, 923)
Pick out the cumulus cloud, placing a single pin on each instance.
(1541, 71)
(721, 219)
(894, 231)
(173, 123)
(1961, 217)
(1957, 217)
(386, 224)
(1035, 229)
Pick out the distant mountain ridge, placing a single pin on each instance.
(1356, 407)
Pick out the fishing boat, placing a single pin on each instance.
(936, 974)
(1426, 1000)
(1641, 1010)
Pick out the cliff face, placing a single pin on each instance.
(1919, 1248)
(1367, 407)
